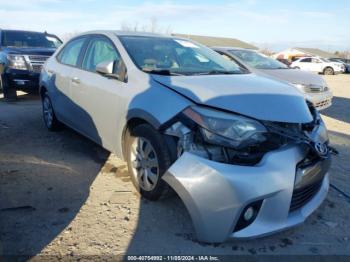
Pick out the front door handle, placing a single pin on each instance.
(76, 80)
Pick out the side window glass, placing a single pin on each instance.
(99, 50)
(70, 53)
(226, 57)
(306, 60)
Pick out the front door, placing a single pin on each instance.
(98, 95)
(305, 64)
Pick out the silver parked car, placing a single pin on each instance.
(247, 155)
(310, 84)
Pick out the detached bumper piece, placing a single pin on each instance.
(230, 201)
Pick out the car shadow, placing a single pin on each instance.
(337, 111)
(45, 178)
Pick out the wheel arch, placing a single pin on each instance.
(42, 90)
(134, 118)
(328, 66)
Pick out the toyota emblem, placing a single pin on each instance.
(321, 148)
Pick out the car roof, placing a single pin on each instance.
(228, 48)
(126, 33)
(24, 31)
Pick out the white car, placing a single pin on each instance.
(319, 65)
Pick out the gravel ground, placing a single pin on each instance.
(62, 195)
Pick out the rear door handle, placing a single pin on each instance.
(76, 80)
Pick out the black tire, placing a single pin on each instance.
(51, 122)
(9, 92)
(1, 88)
(164, 153)
(328, 71)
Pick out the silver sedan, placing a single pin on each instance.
(247, 155)
(313, 86)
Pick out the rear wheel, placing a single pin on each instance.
(49, 116)
(328, 71)
(148, 157)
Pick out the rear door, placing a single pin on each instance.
(316, 65)
(98, 96)
(67, 60)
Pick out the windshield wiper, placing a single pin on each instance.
(217, 72)
(165, 72)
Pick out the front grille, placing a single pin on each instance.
(323, 103)
(38, 58)
(36, 62)
(303, 195)
(37, 68)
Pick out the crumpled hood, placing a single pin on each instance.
(294, 76)
(246, 94)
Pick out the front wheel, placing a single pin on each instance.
(10, 93)
(49, 116)
(328, 71)
(148, 157)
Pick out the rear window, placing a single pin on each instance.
(29, 39)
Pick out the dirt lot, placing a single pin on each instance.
(61, 194)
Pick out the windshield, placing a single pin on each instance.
(170, 56)
(257, 60)
(29, 39)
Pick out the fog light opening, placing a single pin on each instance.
(248, 215)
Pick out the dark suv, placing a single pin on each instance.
(22, 54)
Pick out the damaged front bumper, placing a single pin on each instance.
(216, 194)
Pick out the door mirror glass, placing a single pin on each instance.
(105, 67)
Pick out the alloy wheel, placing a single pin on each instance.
(329, 71)
(48, 111)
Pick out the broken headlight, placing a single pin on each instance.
(226, 129)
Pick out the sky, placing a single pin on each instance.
(268, 24)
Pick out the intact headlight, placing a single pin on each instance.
(310, 88)
(301, 87)
(17, 62)
(226, 129)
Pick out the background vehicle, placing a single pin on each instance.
(22, 54)
(319, 65)
(311, 85)
(185, 118)
(284, 61)
(345, 61)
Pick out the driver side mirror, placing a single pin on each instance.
(105, 67)
(112, 69)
